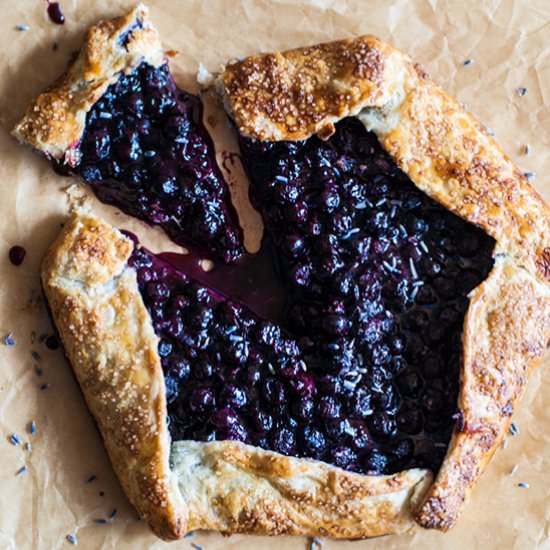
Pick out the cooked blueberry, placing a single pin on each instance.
(301, 274)
(361, 403)
(312, 441)
(172, 389)
(344, 457)
(375, 462)
(410, 383)
(302, 385)
(335, 324)
(302, 408)
(178, 368)
(202, 399)
(224, 418)
(261, 420)
(234, 396)
(468, 244)
(409, 420)
(274, 392)
(338, 430)
(382, 424)
(165, 348)
(284, 442)
(294, 245)
(328, 407)
(404, 449)
(433, 400)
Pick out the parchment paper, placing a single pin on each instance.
(509, 44)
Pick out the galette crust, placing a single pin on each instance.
(506, 332)
(55, 120)
(111, 345)
(443, 149)
(236, 488)
(110, 342)
(109, 338)
(450, 156)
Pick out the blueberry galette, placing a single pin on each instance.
(415, 261)
(117, 119)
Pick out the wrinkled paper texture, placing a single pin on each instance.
(509, 44)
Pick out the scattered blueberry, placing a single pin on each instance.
(16, 255)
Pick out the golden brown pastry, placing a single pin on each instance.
(55, 121)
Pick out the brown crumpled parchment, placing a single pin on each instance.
(508, 44)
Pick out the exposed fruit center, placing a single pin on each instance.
(363, 370)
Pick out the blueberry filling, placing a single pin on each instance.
(362, 368)
(145, 151)
(228, 373)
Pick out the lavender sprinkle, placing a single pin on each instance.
(44, 386)
(100, 521)
(14, 439)
(36, 356)
(317, 542)
(32, 427)
(28, 447)
(21, 471)
(414, 273)
(22, 27)
(467, 62)
(91, 478)
(526, 149)
(513, 429)
(189, 535)
(522, 91)
(196, 546)
(523, 485)
(38, 371)
(113, 513)
(72, 539)
(9, 340)
(529, 175)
